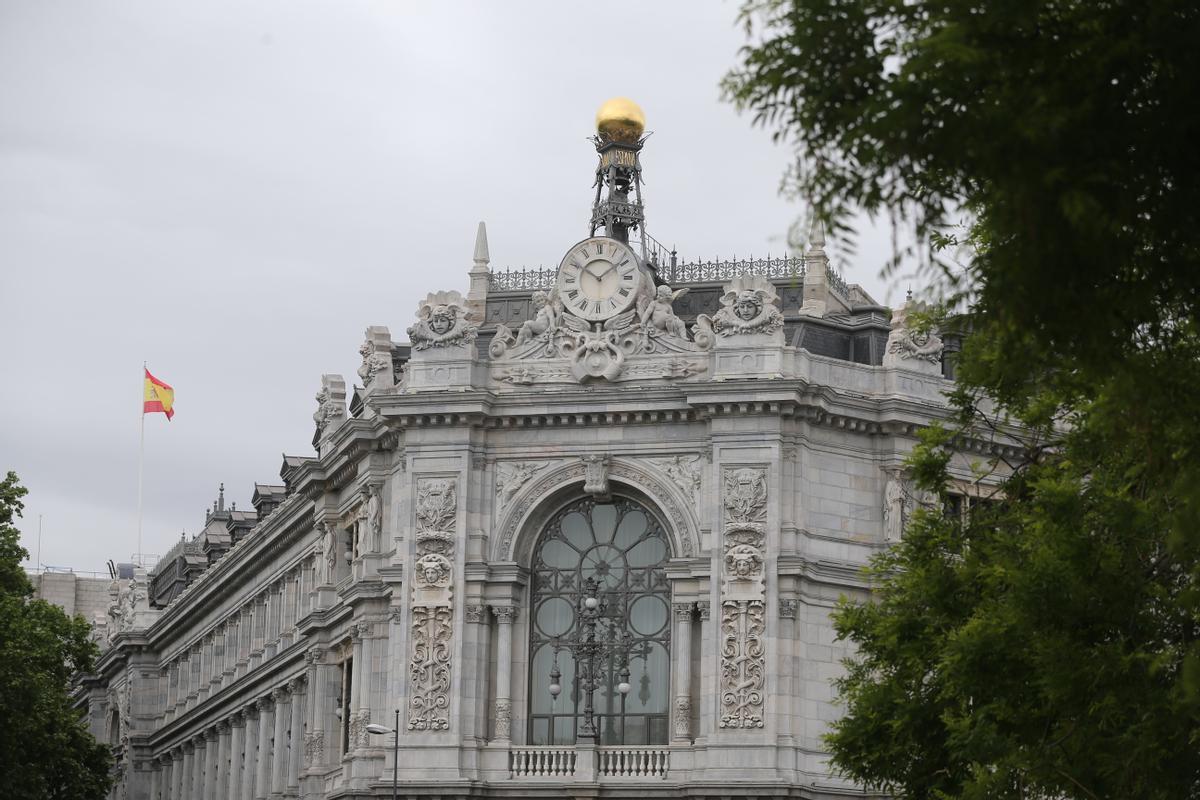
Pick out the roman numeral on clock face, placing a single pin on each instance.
(572, 294)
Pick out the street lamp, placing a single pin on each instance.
(382, 729)
(588, 650)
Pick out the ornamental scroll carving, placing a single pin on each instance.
(743, 597)
(432, 615)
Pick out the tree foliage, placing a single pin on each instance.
(46, 750)
(1045, 647)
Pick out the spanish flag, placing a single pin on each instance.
(158, 396)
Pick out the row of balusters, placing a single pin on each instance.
(612, 762)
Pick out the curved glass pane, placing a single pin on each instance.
(621, 546)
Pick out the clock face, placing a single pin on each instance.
(598, 278)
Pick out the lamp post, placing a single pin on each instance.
(380, 729)
(588, 649)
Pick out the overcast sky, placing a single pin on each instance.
(232, 192)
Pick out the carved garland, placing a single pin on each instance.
(432, 610)
(743, 598)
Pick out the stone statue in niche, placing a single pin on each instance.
(374, 519)
(326, 553)
(443, 320)
(893, 509)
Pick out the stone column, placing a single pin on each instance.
(161, 788)
(708, 661)
(212, 757)
(315, 707)
(220, 775)
(789, 684)
(197, 776)
(250, 762)
(359, 707)
(477, 618)
(279, 759)
(682, 647)
(266, 729)
(502, 713)
(237, 752)
(296, 741)
(155, 778)
(178, 769)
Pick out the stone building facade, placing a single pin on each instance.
(556, 549)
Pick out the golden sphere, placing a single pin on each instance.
(621, 119)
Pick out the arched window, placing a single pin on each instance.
(622, 546)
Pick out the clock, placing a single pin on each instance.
(598, 278)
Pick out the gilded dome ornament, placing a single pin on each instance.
(620, 119)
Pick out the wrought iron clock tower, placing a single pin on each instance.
(617, 209)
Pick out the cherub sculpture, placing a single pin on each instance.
(443, 320)
(548, 309)
(658, 314)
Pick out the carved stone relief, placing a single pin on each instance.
(444, 319)
(503, 712)
(749, 306)
(433, 610)
(743, 598)
(908, 343)
(684, 470)
(556, 345)
(331, 403)
(511, 476)
(683, 716)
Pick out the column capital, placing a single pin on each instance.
(705, 609)
(505, 615)
(296, 685)
(787, 608)
(314, 655)
(238, 719)
(264, 703)
(280, 694)
(683, 611)
(476, 614)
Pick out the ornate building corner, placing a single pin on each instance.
(444, 319)
(743, 598)
(433, 610)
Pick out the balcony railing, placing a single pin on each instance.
(541, 762)
(645, 763)
(632, 762)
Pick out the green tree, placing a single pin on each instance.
(1046, 647)
(46, 750)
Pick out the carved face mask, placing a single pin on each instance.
(442, 321)
(746, 308)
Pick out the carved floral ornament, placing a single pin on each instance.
(743, 598)
(444, 319)
(432, 614)
(666, 495)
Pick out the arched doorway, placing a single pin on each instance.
(622, 546)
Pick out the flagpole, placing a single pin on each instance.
(141, 465)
